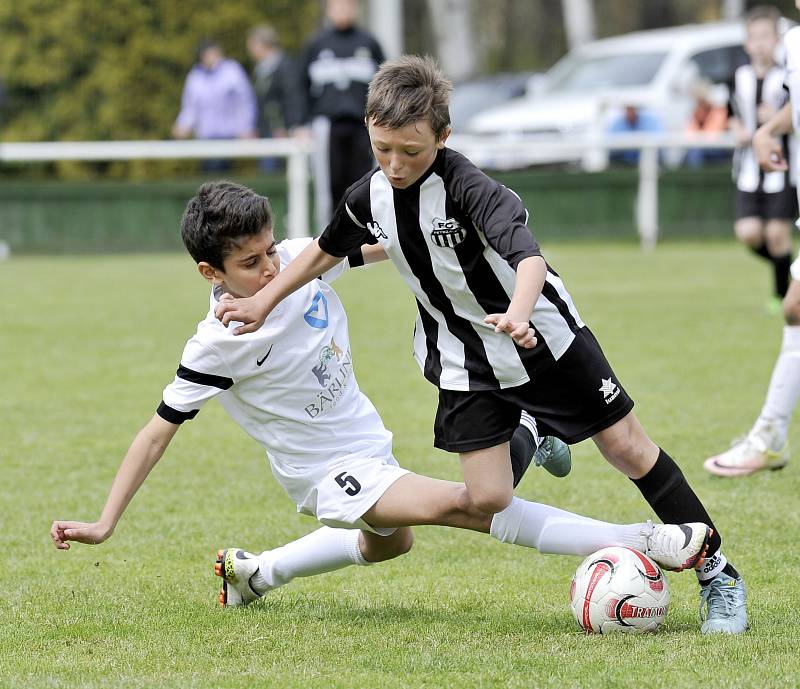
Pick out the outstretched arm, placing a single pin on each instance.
(145, 450)
(310, 263)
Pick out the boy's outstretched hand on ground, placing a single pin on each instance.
(521, 332)
(246, 310)
(82, 532)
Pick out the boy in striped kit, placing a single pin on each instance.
(765, 201)
(497, 331)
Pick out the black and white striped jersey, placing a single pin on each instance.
(456, 236)
(748, 93)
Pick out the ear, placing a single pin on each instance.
(210, 273)
(443, 138)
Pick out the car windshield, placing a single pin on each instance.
(592, 73)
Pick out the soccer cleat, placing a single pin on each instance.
(747, 456)
(774, 306)
(236, 567)
(724, 601)
(676, 547)
(554, 455)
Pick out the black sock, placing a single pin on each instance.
(781, 266)
(761, 251)
(672, 499)
(523, 447)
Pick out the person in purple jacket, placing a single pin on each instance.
(218, 101)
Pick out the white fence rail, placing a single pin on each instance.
(506, 152)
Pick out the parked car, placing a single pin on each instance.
(476, 95)
(653, 69)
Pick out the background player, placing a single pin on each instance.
(765, 201)
(765, 446)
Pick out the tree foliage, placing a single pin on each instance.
(114, 69)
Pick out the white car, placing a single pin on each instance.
(654, 69)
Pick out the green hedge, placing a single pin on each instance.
(112, 216)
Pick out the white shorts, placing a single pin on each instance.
(338, 493)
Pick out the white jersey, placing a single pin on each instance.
(290, 385)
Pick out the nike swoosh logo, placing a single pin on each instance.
(261, 361)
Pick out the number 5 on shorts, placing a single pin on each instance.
(349, 483)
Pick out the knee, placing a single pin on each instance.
(399, 543)
(491, 501)
(791, 311)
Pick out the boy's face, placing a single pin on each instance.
(248, 267)
(405, 154)
(762, 41)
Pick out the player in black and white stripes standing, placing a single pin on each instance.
(765, 201)
(496, 331)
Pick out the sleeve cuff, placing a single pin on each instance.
(173, 415)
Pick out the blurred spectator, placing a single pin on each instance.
(633, 118)
(275, 86)
(765, 201)
(335, 69)
(218, 101)
(709, 118)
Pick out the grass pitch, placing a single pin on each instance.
(87, 345)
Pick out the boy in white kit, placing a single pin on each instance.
(291, 386)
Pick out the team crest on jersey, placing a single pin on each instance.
(447, 233)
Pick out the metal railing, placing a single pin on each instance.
(591, 151)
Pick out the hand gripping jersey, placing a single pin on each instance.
(290, 385)
(456, 237)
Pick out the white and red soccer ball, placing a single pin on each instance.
(619, 590)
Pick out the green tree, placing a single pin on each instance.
(114, 69)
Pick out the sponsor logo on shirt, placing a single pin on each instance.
(447, 233)
(609, 389)
(376, 230)
(317, 314)
(333, 373)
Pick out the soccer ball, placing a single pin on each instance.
(619, 590)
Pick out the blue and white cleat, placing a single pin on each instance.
(554, 455)
(236, 567)
(724, 600)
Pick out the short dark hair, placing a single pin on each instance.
(408, 89)
(219, 215)
(759, 12)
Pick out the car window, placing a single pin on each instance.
(719, 64)
(599, 72)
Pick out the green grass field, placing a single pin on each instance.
(86, 347)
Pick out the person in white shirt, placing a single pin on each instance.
(290, 385)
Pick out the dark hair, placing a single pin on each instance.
(221, 213)
(408, 89)
(759, 12)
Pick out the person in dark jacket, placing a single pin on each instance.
(275, 84)
(336, 66)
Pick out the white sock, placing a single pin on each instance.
(529, 422)
(784, 391)
(551, 530)
(323, 550)
(712, 566)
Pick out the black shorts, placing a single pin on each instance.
(781, 205)
(573, 399)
